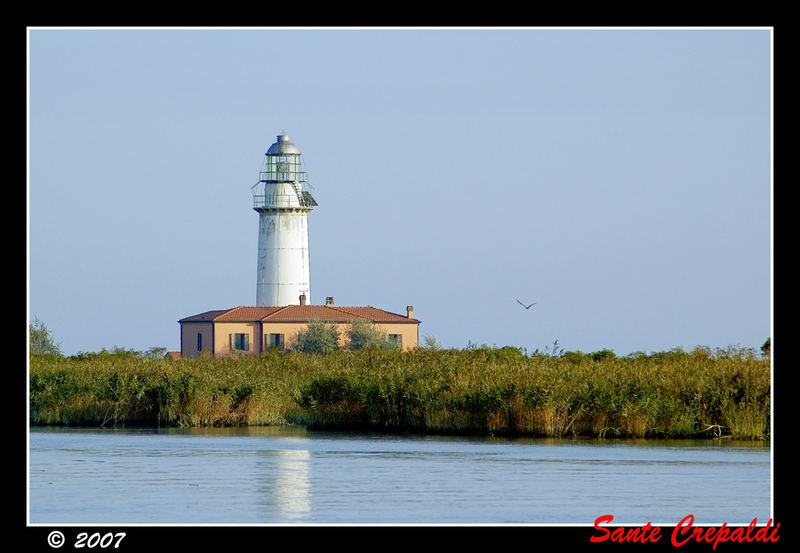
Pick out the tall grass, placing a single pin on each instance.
(109, 390)
(474, 391)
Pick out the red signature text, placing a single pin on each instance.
(685, 532)
(646, 533)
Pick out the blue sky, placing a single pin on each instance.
(620, 178)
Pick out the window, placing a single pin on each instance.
(396, 339)
(274, 341)
(283, 168)
(240, 342)
(199, 341)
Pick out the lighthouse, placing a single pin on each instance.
(283, 202)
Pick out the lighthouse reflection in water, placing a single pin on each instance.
(292, 485)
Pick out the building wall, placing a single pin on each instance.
(189, 332)
(290, 331)
(255, 332)
(409, 333)
(223, 332)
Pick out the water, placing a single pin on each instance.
(290, 475)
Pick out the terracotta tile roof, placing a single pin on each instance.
(207, 316)
(334, 314)
(301, 314)
(243, 313)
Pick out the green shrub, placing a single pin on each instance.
(319, 338)
(364, 334)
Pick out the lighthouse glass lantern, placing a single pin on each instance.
(283, 202)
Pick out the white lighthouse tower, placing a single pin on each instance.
(282, 201)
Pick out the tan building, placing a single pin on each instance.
(256, 329)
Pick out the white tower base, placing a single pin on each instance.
(283, 260)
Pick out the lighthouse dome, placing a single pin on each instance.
(283, 146)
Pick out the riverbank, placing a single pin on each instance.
(481, 391)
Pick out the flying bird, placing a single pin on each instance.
(526, 306)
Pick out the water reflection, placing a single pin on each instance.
(292, 485)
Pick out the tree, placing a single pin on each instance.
(430, 342)
(602, 354)
(765, 348)
(42, 341)
(155, 352)
(365, 335)
(319, 338)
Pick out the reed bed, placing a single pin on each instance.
(482, 391)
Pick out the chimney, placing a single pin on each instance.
(302, 299)
(410, 311)
(329, 300)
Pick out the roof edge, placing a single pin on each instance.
(348, 313)
(205, 316)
